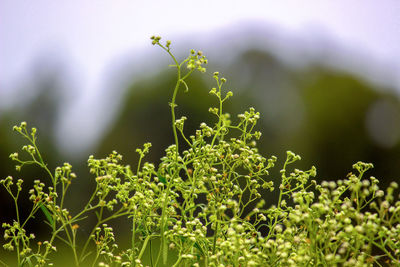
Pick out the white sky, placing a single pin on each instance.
(90, 35)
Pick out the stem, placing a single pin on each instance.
(18, 256)
(3, 263)
(215, 236)
(164, 249)
(41, 161)
(74, 248)
(219, 127)
(179, 80)
(173, 113)
(118, 214)
(151, 254)
(178, 261)
(144, 246)
(96, 258)
(386, 251)
(16, 209)
(133, 239)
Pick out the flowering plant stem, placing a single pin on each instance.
(204, 205)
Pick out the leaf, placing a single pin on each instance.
(161, 178)
(47, 214)
(197, 245)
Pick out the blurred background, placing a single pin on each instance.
(325, 76)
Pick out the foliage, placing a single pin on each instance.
(203, 206)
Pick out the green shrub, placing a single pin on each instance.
(203, 206)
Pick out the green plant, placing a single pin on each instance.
(203, 205)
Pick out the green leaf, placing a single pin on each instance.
(197, 245)
(161, 178)
(47, 214)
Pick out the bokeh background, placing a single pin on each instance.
(325, 76)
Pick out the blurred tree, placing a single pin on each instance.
(324, 115)
(317, 112)
(40, 111)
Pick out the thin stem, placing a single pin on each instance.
(16, 208)
(178, 261)
(173, 113)
(74, 248)
(219, 127)
(133, 239)
(179, 80)
(118, 214)
(144, 246)
(151, 254)
(3, 263)
(18, 254)
(215, 235)
(164, 249)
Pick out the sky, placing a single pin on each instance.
(91, 36)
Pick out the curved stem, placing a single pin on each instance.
(144, 246)
(173, 114)
(164, 248)
(219, 127)
(178, 261)
(178, 82)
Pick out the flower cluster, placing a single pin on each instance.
(205, 206)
